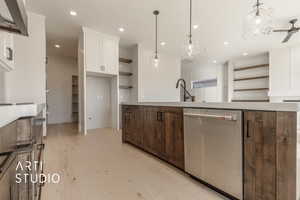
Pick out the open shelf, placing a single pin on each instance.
(125, 73)
(125, 60)
(251, 78)
(291, 101)
(251, 67)
(252, 100)
(125, 87)
(251, 89)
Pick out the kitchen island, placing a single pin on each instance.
(270, 168)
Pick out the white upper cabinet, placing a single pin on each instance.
(6, 51)
(285, 72)
(101, 52)
(295, 70)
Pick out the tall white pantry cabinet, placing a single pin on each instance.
(98, 62)
(285, 72)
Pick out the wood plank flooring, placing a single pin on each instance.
(99, 167)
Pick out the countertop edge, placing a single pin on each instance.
(10, 113)
(280, 107)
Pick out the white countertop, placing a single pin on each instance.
(293, 107)
(11, 113)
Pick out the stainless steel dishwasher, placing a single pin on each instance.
(213, 148)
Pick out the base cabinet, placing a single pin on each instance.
(270, 145)
(157, 130)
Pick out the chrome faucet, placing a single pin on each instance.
(186, 94)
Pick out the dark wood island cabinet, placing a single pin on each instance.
(157, 130)
(269, 146)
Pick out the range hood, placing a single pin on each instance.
(13, 16)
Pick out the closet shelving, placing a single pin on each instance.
(75, 98)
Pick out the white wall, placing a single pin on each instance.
(203, 70)
(59, 82)
(157, 84)
(2, 87)
(27, 82)
(98, 102)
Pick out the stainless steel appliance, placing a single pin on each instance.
(213, 149)
(13, 16)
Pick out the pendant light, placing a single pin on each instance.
(258, 21)
(190, 45)
(156, 59)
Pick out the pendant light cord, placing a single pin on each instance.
(156, 35)
(190, 36)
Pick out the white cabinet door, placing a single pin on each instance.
(295, 71)
(110, 55)
(6, 51)
(279, 72)
(93, 51)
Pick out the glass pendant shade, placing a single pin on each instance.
(190, 49)
(155, 61)
(258, 21)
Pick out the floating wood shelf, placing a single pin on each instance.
(125, 73)
(125, 60)
(125, 87)
(291, 101)
(251, 78)
(251, 67)
(252, 100)
(251, 89)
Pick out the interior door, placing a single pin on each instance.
(153, 129)
(259, 155)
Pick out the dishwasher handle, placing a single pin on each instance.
(219, 117)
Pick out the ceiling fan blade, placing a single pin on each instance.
(288, 37)
(281, 30)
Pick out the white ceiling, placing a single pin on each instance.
(218, 20)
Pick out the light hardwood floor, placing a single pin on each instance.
(99, 167)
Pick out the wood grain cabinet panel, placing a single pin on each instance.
(153, 130)
(260, 156)
(173, 144)
(133, 125)
(270, 145)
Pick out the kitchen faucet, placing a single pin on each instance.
(186, 94)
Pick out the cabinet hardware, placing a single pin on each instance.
(9, 53)
(248, 129)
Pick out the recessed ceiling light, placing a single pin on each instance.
(226, 43)
(162, 43)
(195, 26)
(121, 29)
(215, 62)
(57, 46)
(73, 13)
(245, 54)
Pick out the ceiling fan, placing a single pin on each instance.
(290, 32)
